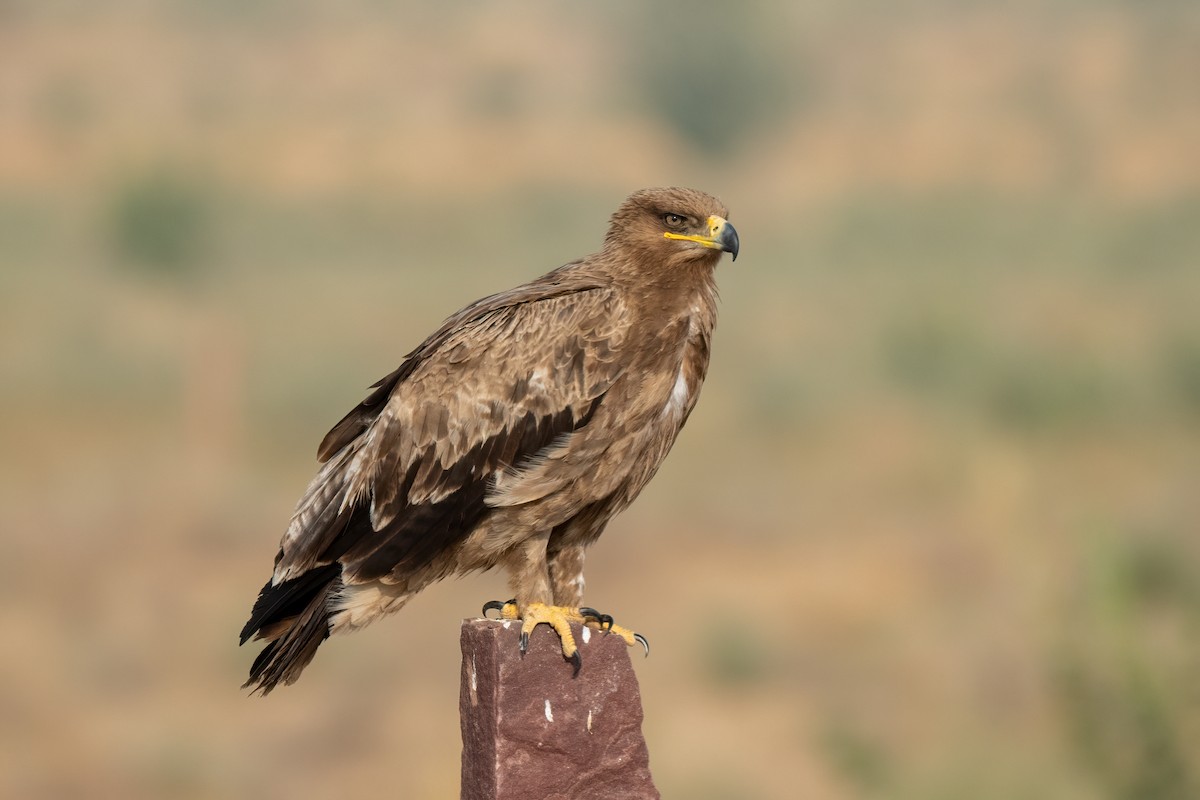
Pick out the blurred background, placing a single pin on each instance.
(931, 533)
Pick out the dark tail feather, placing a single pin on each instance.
(276, 603)
(301, 605)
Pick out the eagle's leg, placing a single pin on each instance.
(566, 575)
(529, 576)
(566, 578)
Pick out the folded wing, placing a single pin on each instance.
(408, 473)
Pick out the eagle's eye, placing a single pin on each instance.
(674, 220)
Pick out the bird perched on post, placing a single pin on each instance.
(510, 437)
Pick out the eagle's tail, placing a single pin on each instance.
(294, 616)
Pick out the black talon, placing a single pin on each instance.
(605, 620)
(496, 605)
(643, 642)
(524, 643)
(576, 663)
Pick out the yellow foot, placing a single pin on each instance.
(560, 618)
(605, 623)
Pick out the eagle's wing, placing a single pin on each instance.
(408, 472)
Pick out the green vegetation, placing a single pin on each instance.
(160, 223)
(1125, 685)
(721, 77)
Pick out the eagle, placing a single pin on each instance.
(509, 437)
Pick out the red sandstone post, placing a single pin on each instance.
(533, 730)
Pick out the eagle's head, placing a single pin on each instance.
(673, 226)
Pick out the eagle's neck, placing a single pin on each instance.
(689, 293)
(675, 321)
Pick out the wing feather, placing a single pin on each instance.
(408, 472)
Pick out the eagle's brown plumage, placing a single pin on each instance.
(511, 436)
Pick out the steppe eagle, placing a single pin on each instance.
(510, 437)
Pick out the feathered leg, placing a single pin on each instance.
(529, 573)
(566, 576)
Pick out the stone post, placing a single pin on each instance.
(531, 729)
